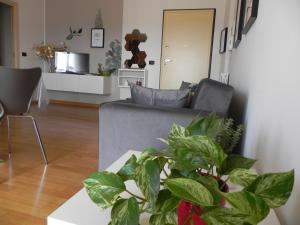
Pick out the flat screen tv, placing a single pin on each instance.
(71, 62)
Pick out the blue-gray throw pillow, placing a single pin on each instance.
(156, 97)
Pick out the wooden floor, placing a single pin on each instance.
(29, 190)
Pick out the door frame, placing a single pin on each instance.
(212, 37)
(15, 30)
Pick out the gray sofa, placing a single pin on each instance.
(125, 125)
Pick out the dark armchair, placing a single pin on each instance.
(16, 89)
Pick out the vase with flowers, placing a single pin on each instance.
(46, 52)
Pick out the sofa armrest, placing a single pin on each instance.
(127, 126)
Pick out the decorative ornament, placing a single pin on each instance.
(74, 33)
(132, 44)
(98, 20)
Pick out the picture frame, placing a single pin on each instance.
(239, 23)
(97, 38)
(223, 40)
(251, 12)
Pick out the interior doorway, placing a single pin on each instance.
(9, 48)
(186, 46)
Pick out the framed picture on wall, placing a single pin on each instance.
(251, 11)
(223, 40)
(97, 38)
(239, 22)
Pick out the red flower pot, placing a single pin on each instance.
(184, 209)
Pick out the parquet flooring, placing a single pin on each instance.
(29, 190)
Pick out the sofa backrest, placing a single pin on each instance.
(212, 96)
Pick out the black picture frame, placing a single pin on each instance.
(97, 37)
(239, 23)
(223, 40)
(251, 12)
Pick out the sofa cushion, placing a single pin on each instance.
(212, 96)
(155, 97)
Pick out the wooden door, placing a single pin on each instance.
(186, 46)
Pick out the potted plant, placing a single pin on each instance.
(113, 59)
(185, 183)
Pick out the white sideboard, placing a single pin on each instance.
(88, 84)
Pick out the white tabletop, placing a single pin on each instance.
(80, 210)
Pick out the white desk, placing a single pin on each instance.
(80, 210)
(42, 96)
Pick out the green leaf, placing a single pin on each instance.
(234, 162)
(166, 202)
(161, 162)
(208, 181)
(248, 204)
(224, 216)
(169, 218)
(274, 188)
(190, 190)
(178, 131)
(148, 180)
(125, 212)
(104, 188)
(127, 172)
(205, 126)
(187, 160)
(242, 177)
(147, 154)
(201, 145)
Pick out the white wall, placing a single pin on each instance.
(266, 75)
(31, 30)
(60, 16)
(147, 16)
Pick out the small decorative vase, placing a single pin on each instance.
(51, 65)
(184, 209)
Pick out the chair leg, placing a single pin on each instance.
(39, 140)
(8, 135)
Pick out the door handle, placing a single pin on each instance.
(166, 61)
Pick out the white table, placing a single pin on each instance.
(42, 95)
(80, 210)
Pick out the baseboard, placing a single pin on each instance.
(75, 104)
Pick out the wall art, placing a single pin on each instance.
(251, 12)
(97, 38)
(239, 22)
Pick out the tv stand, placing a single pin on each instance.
(67, 82)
